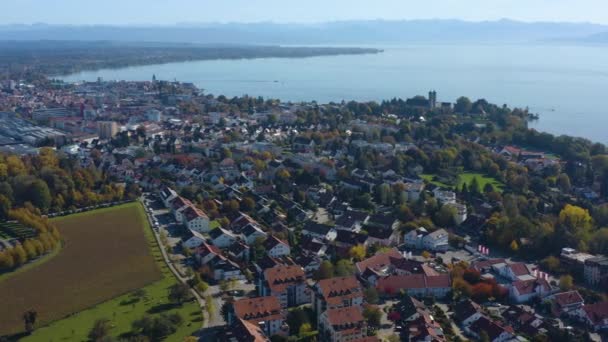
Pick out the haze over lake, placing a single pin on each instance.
(566, 85)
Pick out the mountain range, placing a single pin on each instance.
(335, 33)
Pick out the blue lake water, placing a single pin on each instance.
(566, 85)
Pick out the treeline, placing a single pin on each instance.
(52, 183)
(45, 242)
(67, 57)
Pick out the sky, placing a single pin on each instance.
(168, 12)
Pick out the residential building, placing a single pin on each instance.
(196, 219)
(222, 238)
(287, 283)
(425, 240)
(566, 303)
(417, 285)
(596, 271)
(595, 315)
(343, 324)
(522, 291)
(107, 129)
(265, 312)
(334, 293)
(276, 247)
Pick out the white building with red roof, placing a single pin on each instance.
(287, 283)
(265, 312)
(343, 324)
(334, 293)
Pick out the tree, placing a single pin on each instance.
(563, 183)
(357, 252)
(514, 246)
(599, 242)
(575, 224)
(325, 271)
(371, 295)
(463, 105)
(566, 282)
(39, 194)
(179, 293)
(550, 263)
(6, 261)
(445, 216)
(345, 268)
(304, 329)
(29, 320)
(19, 255)
(223, 285)
(373, 315)
(101, 329)
(5, 206)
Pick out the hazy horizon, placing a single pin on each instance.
(197, 12)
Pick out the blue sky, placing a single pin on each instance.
(176, 11)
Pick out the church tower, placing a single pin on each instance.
(433, 99)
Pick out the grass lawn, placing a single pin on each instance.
(105, 258)
(467, 177)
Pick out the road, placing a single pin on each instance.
(183, 280)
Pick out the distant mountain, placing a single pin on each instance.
(346, 33)
(598, 38)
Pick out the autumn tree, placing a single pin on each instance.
(357, 252)
(575, 224)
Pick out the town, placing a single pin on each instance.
(406, 220)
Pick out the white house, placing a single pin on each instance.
(196, 219)
(167, 195)
(178, 206)
(222, 238)
(413, 191)
(276, 247)
(252, 232)
(319, 231)
(206, 252)
(444, 196)
(522, 291)
(195, 241)
(422, 239)
(460, 214)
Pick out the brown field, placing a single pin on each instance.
(105, 254)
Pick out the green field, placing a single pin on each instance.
(467, 177)
(113, 278)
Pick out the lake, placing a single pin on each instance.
(566, 85)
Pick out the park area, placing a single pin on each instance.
(465, 177)
(107, 254)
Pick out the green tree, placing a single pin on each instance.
(566, 282)
(29, 320)
(40, 195)
(371, 295)
(325, 271)
(463, 105)
(345, 268)
(5, 206)
(373, 316)
(179, 293)
(563, 182)
(100, 330)
(599, 242)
